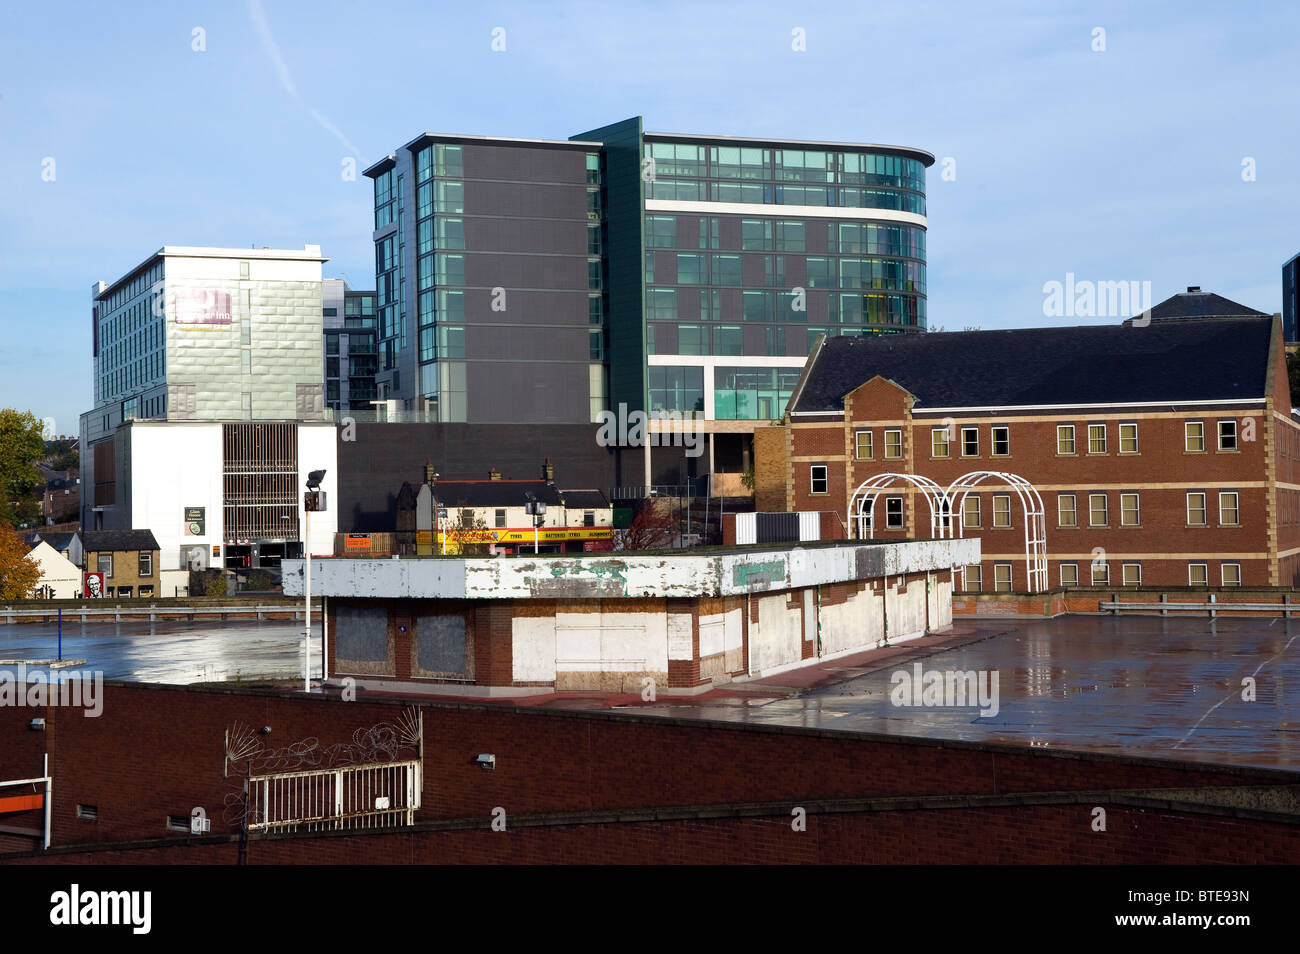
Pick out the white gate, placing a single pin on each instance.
(352, 796)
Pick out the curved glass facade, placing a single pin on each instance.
(856, 180)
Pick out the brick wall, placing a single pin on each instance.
(158, 751)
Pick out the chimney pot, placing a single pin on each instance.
(1193, 289)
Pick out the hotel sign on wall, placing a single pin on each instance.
(203, 308)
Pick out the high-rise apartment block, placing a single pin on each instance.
(543, 281)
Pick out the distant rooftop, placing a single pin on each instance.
(308, 253)
(1099, 365)
(1195, 303)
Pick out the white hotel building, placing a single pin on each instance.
(209, 406)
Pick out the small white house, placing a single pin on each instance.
(60, 577)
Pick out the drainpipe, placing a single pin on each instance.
(818, 609)
(884, 594)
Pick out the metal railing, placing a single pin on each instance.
(353, 796)
(1212, 608)
(8, 614)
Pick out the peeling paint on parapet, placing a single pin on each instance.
(632, 576)
(574, 579)
(759, 576)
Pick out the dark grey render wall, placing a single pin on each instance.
(373, 467)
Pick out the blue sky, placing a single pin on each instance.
(1123, 164)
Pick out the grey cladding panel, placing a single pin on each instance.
(870, 563)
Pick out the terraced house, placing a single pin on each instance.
(1164, 451)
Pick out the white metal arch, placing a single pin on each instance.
(864, 500)
(1031, 503)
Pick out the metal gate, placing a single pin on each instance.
(353, 796)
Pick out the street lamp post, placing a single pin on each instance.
(537, 510)
(313, 499)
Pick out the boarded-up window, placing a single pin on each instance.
(361, 634)
(440, 644)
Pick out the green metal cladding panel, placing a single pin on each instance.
(625, 258)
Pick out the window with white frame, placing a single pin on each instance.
(1128, 438)
(974, 578)
(893, 444)
(1230, 574)
(1065, 438)
(1194, 436)
(1100, 573)
(820, 479)
(863, 448)
(1227, 435)
(1001, 510)
(1002, 577)
(1129, 514)
(894, 513)
(1195, 509)
(938, 442)
(1001, 441)
(1198, 574)
(1096, 438)
(1097, 512)
(970, 510)
(1065, 512)
(1069, 574)
(1132, 574)
(1229, 513)
(970, 442)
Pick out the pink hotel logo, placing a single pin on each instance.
(200, 306)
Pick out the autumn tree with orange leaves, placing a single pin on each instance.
(19, 573)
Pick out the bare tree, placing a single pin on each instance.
(653, 528)
(468, 532)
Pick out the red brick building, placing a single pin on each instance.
(1165, 452)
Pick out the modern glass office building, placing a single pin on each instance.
(1290, 299)
(351, 359)
(683, 274)
(488, 280)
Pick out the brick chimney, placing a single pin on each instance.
(548, 471)
(494, 474)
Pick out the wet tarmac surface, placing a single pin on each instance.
(168, 651)
(1136, 685)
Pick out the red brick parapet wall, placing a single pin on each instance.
(618, 787)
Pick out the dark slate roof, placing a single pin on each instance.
(586, 499)
(1164, 362)
(59, 541)
(108, 541)
(63, 483)
(1199, 304)
(494, 493)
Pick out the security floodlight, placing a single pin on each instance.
(314, 478)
